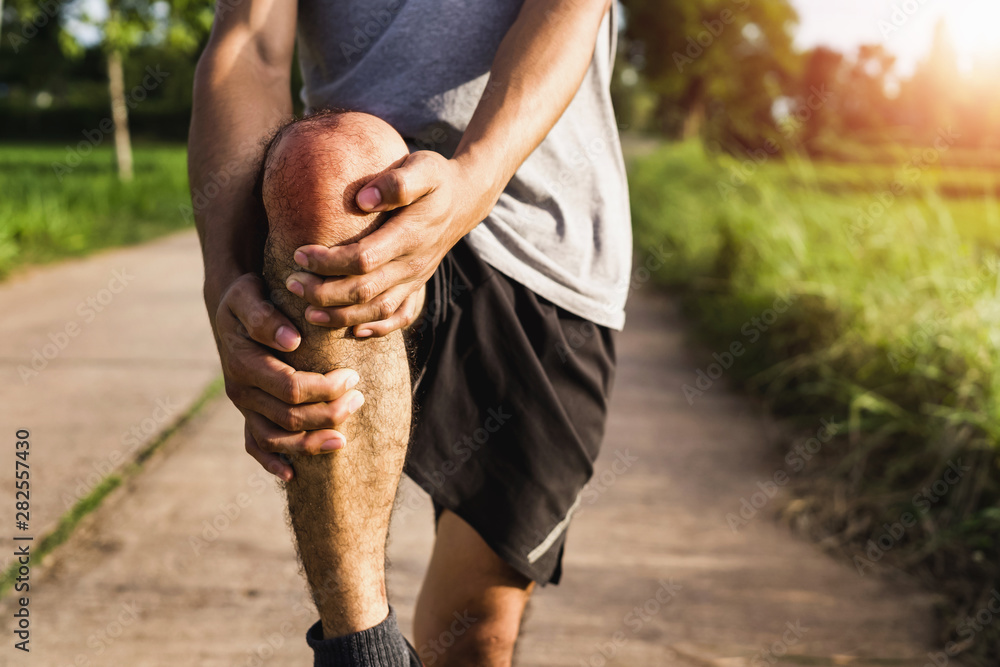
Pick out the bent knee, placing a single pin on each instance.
(312, 172)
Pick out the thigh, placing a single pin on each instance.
(471, 601)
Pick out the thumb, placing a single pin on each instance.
(400, 186)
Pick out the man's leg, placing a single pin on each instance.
(339, 503)
(471, 602)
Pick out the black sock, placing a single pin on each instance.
(380, 646)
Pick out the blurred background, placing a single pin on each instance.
(842, 159)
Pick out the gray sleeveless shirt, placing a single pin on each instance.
(561, 226)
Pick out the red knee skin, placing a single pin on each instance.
(314, 172)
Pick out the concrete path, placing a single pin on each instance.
(97, 356)
(190, 562)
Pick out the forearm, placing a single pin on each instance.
(237, 102)
(537, 70)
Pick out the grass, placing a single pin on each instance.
(45, 215)
(893, 330)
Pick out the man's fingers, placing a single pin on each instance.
(272, 463)
(382, 246)
(404, 316)
(305, 417)
(255, 367)
(403, 185)
(272, 438)
(261, 321)
(345, 290)
(380, 308)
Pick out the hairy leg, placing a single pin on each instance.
(339, 503)
(471, 602)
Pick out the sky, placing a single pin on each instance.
(845, 24)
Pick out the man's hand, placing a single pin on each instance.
(374, 285)
(286, 410)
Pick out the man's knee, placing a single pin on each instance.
(312, 172)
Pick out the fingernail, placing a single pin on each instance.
(301, 259)
(287, 338)
(331, 445)
(369, 198)
(363, 333)
(295, 287)
(352, 381)
(317, 316)
(356, 402)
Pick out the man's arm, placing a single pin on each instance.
(536, 72)
(241, 94)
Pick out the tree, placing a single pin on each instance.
(823, 71)
(716, 66)
(854, 93)
(120, 26)
(866, 109)
(934, 93)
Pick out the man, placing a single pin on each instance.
(478, 185)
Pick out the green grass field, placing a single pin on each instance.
(43, 218)
(893, 330)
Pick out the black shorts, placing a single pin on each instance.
(510, 400)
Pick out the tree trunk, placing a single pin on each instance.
(693, 103)
(119, 113)
(694, 120)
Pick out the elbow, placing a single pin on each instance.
(245, 55)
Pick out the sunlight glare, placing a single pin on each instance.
(974, 28)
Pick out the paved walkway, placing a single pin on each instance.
(97, 357)
(190, 562)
